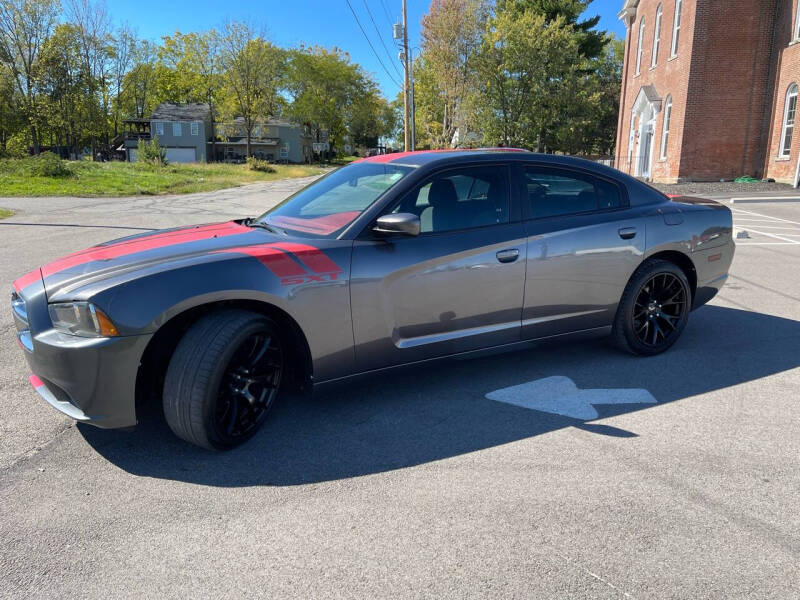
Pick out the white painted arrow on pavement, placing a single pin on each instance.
(559, 395)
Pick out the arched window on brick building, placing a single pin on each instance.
(796, 35)
(656, 36)
(676, 28)
(667, 121)
(641, 47)
(789, 114)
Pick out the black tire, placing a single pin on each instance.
(208, 400)
(657, 298)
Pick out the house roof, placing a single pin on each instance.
(278, 122)
(168, 111)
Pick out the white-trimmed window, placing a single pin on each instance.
(676, 28)
(796, 36)
(641, 47)
(159, 128)
(195, 128)
(789, 114)
(656, 36)
(667, 122)
(176, 129)
(631, 138)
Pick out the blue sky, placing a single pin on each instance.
(323, 22)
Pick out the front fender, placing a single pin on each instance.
(320, 306)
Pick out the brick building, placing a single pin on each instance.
(710, 90)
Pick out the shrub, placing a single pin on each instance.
(17, 145)
(257, 164)
(48, 164)
(152, 153)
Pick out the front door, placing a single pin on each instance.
(647, 149)
(583, 247)
(456, 287)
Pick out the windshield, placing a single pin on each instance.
(330, 204)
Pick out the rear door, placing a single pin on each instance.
(583, 245)
(458, 286)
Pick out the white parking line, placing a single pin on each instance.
(765, 244)
(739, 224)
(747, 212)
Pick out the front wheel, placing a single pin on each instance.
(223, 379)
(654, 309)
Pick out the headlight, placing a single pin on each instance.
(18, 306)
(81, 318)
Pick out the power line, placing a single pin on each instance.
(386, 12)
(370, 44)
(380, 37)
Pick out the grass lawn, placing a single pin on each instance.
(5, 213)
(86, 178)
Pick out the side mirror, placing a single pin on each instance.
(401, 223)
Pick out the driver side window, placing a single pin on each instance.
(461, 199)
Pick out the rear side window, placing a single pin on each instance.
(557, 192)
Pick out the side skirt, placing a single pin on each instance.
(469, 355)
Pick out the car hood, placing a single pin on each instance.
(149, 251)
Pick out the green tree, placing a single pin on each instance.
(25, 26)
(254, 74)
(324, 87)
(452, 32)
(196, 59)
(139, 97)
(122, 52)
(92, 27)
(591, 42)
(10, 117)
(528, 68)
(62, 84)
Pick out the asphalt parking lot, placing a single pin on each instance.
(422, 486)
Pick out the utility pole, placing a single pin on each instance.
(413, 109)
(406, 87)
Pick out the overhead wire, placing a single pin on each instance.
(380, 37)
(366, 37)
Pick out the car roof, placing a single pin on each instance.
(427, 157)
(424, 157)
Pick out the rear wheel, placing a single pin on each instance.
(654, 309)
(224, 378)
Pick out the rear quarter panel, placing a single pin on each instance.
(699, 229)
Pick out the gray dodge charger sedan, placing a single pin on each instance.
(392, 260)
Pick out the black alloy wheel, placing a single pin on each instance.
(249, 386)
(654, 308)
(659, 308)
(223, 379)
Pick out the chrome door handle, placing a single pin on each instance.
(508, 256)
(627, 233)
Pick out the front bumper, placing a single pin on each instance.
(92, 380)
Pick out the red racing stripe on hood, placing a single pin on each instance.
(27, 279)
(312, 257)
(118, 250)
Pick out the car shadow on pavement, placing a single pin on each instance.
(440, 410)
